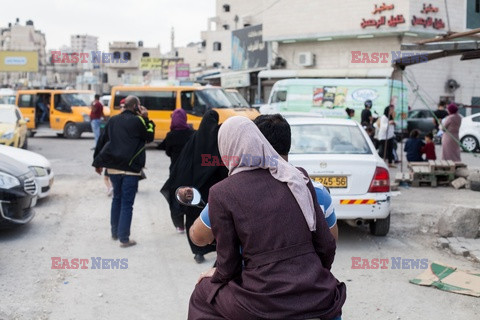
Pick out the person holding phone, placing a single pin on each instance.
(121, 149)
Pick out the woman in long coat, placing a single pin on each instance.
(450, 139)
(274, 248)
(180, 133)
(191, 169)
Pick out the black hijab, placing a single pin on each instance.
(188, 170)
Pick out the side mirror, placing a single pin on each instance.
(189, 196)
(22, 122)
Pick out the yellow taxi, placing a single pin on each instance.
(13, 127)
(195, 100)
(67, 112)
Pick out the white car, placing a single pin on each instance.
(339, 154)
(37, 163)
(470, 132)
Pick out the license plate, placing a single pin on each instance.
(332, 181)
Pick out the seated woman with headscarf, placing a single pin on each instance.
(268, 208)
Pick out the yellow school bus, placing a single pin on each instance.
(195, 100)
(67, 112)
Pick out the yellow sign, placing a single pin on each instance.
(18, 61)
(147, 63)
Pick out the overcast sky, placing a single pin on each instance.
(113, 20)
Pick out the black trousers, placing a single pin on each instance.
(385, 150)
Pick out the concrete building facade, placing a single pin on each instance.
(18, 37)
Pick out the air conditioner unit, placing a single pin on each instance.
(306, 59)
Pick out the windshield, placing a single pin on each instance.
(216, 98)
(7, 116)
(7, 99)
(77, 99)
(237, 99)
(328, 139)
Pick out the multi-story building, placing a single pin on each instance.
(25, 38)
(125, 64)
(83, 43)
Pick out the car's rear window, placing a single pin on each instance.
(328, 139)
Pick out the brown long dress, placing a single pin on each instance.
(286, 267)
(450, 147)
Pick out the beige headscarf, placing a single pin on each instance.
(243, 147)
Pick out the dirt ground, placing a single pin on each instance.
(73, 222)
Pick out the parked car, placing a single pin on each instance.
(38, 164)
(420, 119)
(339, 154)
(13, 128)
(470, 132)
(18, 192)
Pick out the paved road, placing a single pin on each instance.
(74, 223)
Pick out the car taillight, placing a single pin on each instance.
(380, 181)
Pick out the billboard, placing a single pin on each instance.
(18, 61)
(248, 49)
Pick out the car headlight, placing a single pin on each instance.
(39, 171)
(8, 181)
(8, 135)
(86, 117)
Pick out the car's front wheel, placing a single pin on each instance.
(71, 131)
(380, 227)
(470, 143)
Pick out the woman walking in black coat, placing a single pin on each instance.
(192, 169)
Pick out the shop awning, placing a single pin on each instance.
(328, 73)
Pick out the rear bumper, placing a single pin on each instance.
(360, 207)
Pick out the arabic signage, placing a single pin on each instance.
(392, 22)
(147, 63)
(19, 61)
(178, 71)
(426, 21)
(248, 49)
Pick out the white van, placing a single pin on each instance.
(331, 97)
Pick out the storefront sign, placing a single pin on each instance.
(180, 71)
(435, 23)
(426, 9)
(235, 80)
(383, 7)
(392, 22)
(147, 63)
(428, 22)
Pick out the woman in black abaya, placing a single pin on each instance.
(191, 170)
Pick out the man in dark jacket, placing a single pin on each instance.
(121, 149)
